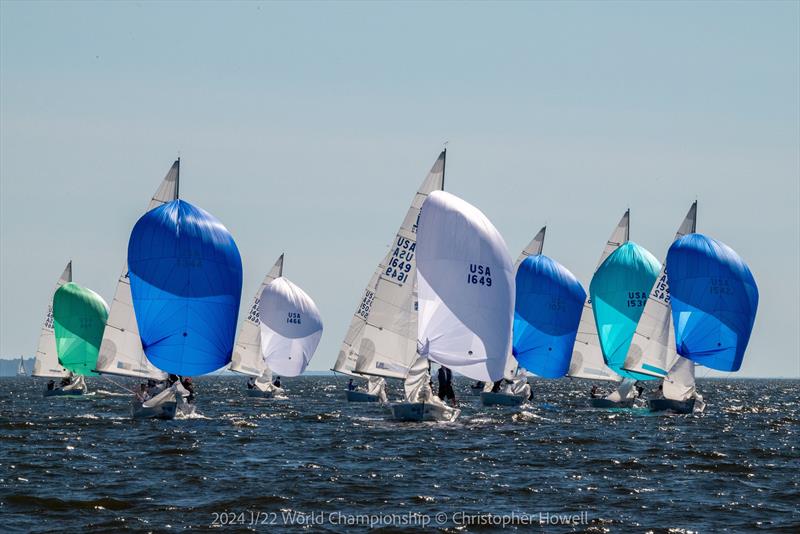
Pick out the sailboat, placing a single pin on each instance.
(587, 356)
(46, 362)
(185, 276)
(714, 299)
(381, 341)
(466, 303)
(79, 317)
(121, 351)
(652, 350)
(548, 306)
(21, 367)
(247, 357)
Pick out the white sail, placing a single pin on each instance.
(587, 356)
(46, 362)
(247, 358)
(625, 391)
(382, 338)
(652, 351)
(290, 327)
(466, 289)
(121, 350)
(21, 367)
(679, 384)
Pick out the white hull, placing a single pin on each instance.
(257, 393)
(58, 392)
(360, 396)
(424, 411)
(501, 399)
(165, 410)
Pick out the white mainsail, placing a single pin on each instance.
(247, 358)
(679, 383)
(466, 289)
(382, 338)
(291, 327)
(21, 367)
(46, 362)
(652, 351)
(121, 350)
(587, 356)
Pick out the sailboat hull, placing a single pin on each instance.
(605, 403)
(165, 410)
(58, 392)
(423, 411)
(360, 396)
(501, 399)
(669, 405)
(255, 392)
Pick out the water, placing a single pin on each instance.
(81, 464)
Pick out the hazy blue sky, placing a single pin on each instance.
(307, 127)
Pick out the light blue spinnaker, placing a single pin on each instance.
(619, 291)
(714, 299)
(186, 283)
(549, 302)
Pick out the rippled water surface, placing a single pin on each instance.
(81, 464)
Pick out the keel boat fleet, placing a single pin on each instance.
(445, 294)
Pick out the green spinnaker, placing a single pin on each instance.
(619, 291)
(79, 318)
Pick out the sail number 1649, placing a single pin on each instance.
(479, 275)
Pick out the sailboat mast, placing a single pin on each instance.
(444, 164)
(178, 179)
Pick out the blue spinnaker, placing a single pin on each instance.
(186, 283)
(549, 302)
(619, 291)
(714, 300)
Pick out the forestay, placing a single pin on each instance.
(714, 299)
(79, 316)
(291, 327)
(247, 358)
(186, 283)
(587, 356)
(46, 362)
(121, 351)
(382, 336)
(652, 351)
(619, 291)
(466, 289)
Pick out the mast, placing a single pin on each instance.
(444, 165)
(178, 178)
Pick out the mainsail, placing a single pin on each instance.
(587, 356)
(46, 362)
(247, 358)
(382, 338)
(186, 284)
(121, 351)
(291, 327)
(549, 301)
(619, 291)
(466, 289)
(21, 367)
(714, 299)
(652, 351)
(79, 317)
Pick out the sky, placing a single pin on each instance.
(307, 127)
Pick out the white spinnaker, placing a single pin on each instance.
(46, 362)
(679, 383)
(534, 248)
(291, 327)
(121, 351)
(587, 356)
(652, 351)
(247, 358)
(465, 282)
(382, 338)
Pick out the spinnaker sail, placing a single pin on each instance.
(466, 289)
(714, 299)
(619, 291)
(247, 357)
(79, 317)
(291, 327)
(46, 362)
(121, 351)
(382, 336)
(186, 283)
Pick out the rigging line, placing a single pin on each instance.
(118, 385)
